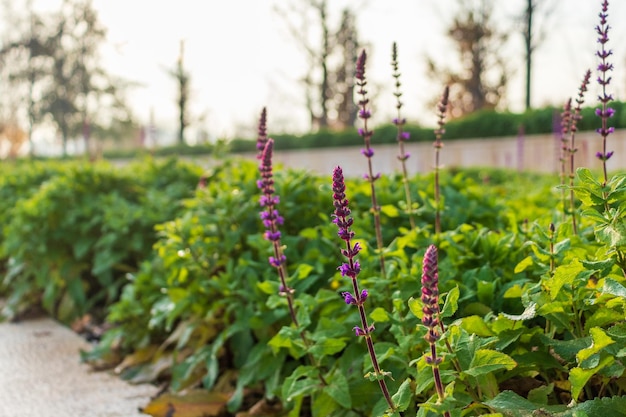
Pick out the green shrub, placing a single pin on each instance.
(71, 242)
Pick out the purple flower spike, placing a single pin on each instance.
(352, 268)
(262, 136)
(430, 293)
(605, 112)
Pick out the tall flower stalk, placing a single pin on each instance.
(271, 220)
(604, 112)
(368, 152)
(442, 109)
(576, 116)
(401, 135)
(262, 134)
(566, 120)
(351, 269)
(430, 319)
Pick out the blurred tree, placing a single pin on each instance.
(481, 82)
(348, 44)
(182, 78)
(331, 55)
(534, 34)
(61, 67)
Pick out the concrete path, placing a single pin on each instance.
(41, 376)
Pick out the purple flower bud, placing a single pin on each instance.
(358, 331)
(272, 236)
(277, 262)
(404, 157)
(604, 157)
(360, 66)
(348, 298)
(364, 114)
(364, 295)
(351, 271)
(368, 153)
(405, 136)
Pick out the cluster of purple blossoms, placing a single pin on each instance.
(262, 134)
(399, 121)
(430, 295)
(365, 114)
(351, 268)
(442, 109)
(270, 216)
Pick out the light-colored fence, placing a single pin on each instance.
(539, 153)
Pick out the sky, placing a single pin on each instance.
(242, 57)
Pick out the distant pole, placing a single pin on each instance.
(528, 37)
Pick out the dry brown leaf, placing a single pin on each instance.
(196, 403)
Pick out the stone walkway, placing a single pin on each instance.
(41, 376)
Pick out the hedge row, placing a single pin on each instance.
(482, 124)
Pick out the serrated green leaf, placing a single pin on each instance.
(301, 382)
(578, 377)
(600, 340)
(564, 274)
(486, 361)
(613, 406)
(614, 288)
(402, 397)
(339, 389)
(451, 303)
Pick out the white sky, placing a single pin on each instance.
(241, 56)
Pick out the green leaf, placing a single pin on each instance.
(523, 264)
(415, 305)
(486, 361)
(390, 210)
(528, 313)
(451, 303)
(379, 315)
(475, 325)
(614, 288)
(564, 274)
(303, 271)
(600, 340)
(578, 377)
(328, 346)
(301, 382)
(338, 389)
(402, 397)
(613, 406)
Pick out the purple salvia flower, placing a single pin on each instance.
(430, 293)
(401, 135)
(364, 114)
(604, 79)
(352, 268)
(262, 135)
(430, 319)
(368, 153)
